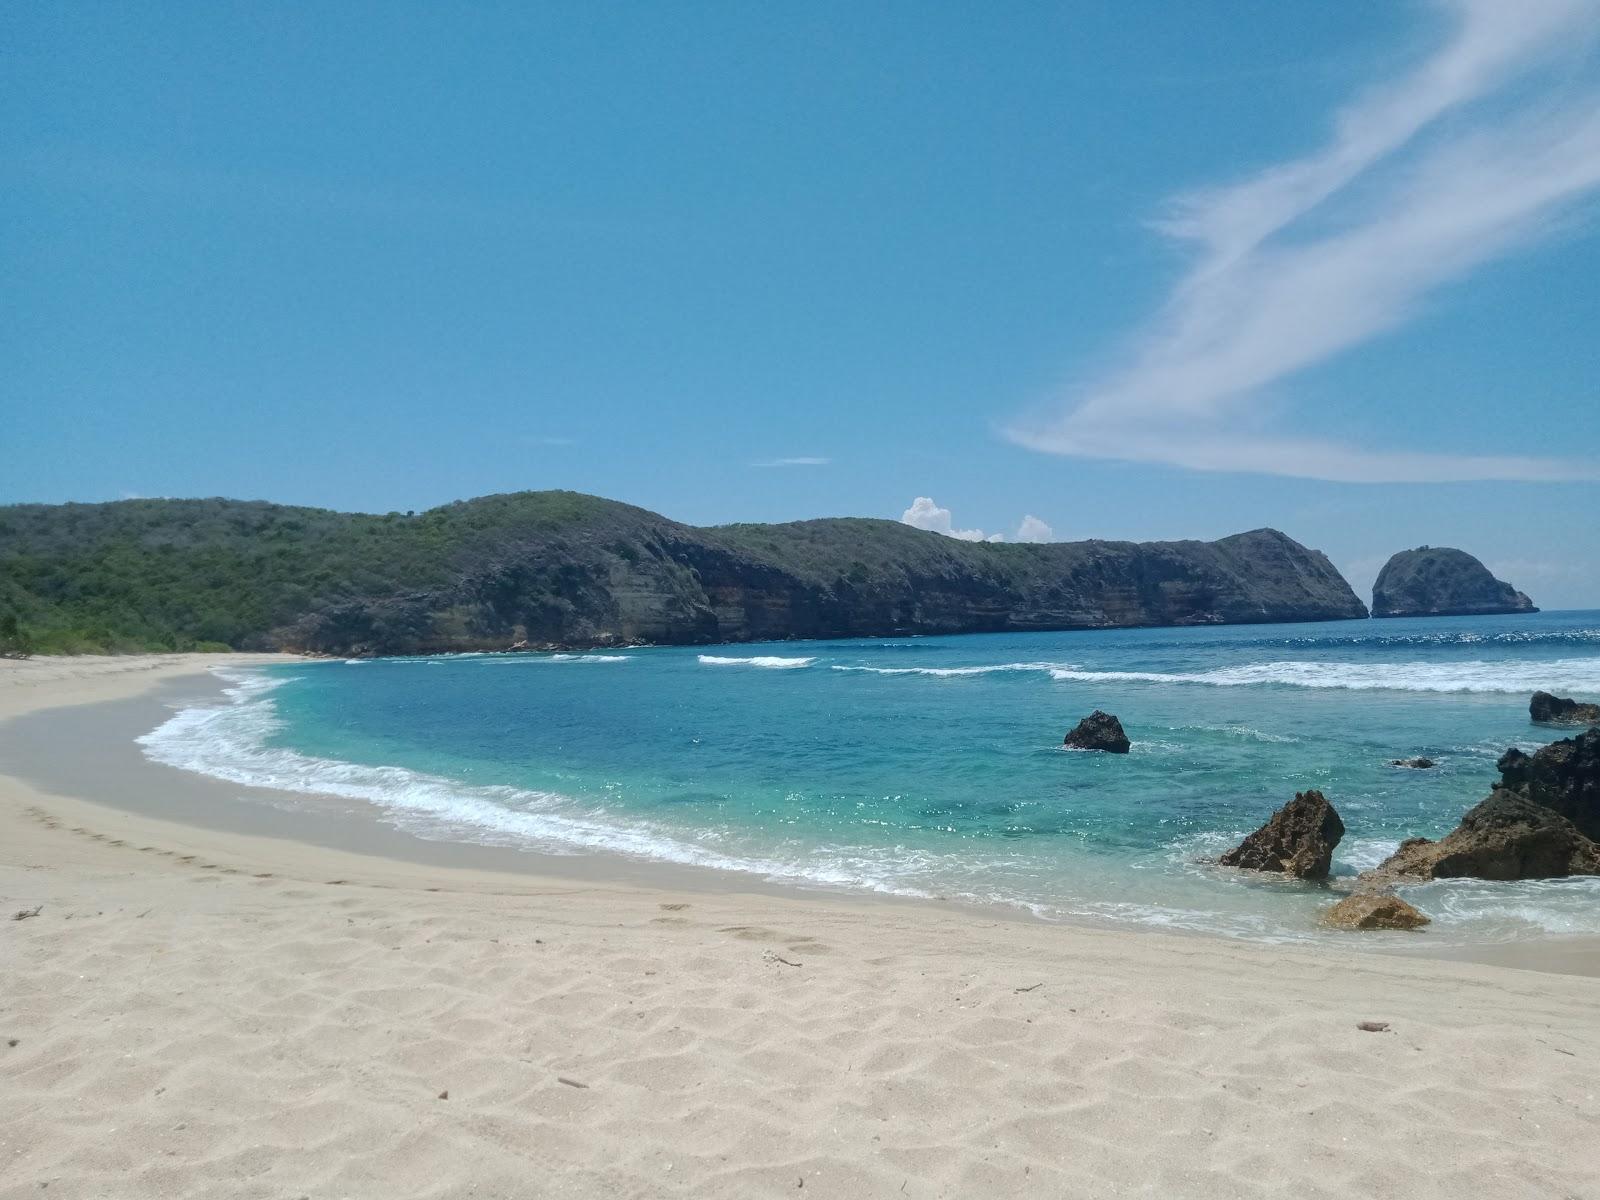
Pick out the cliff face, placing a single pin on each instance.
(562, 569)
(669, 583)
(1438, 581)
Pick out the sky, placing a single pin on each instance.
(1037, 271)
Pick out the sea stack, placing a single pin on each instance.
(1098, 731)
(1436, 581)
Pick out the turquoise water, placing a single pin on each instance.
(933, 766)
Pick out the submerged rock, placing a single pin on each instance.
(1374, 910)
(1098, 731)
(1563, 776)
(1416, 764)
(1437, 581)
(1504, 837)
(1546, 709)
(1297, 840)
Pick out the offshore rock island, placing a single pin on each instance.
(565, 570)
(1437, 581)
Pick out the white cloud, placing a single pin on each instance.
(925, 514)
(802, 461)
(1389, 210)
(1033, 529)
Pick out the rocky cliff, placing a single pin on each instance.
(1436, 581)
(668, 583)
(562, 569)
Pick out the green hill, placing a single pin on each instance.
(564, 569)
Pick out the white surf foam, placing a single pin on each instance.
(958, 672)
(1520, 676)
(232, 741)
(770, 662)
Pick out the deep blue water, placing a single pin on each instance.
(933, 765)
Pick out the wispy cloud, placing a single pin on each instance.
(925, 514)
(801, 461)
(1474, 153)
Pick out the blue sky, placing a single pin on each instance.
(1134, 270)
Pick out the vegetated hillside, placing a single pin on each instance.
(1440, 581)
(563, 569)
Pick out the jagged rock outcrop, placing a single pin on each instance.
(1374, 910)
(1437, 581)
(1541, 821)
(1563, 777)
(1545, 709)
(1504, 837)
(1297, 840)
(1098, 731)
(1420, 763)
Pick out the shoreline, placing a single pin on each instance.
(83, 734)
(196, 1011)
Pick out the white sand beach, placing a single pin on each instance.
(192, 1012)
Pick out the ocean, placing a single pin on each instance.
(933, 766)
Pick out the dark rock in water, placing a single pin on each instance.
(1563, 776)
(1436, 581)
(1098, 731)
(1374, 910)
(1297, 840)
(1416, 764)
(1546, 709)
(1504, 837)
(1541, 821)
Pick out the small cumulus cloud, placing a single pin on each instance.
(804, 460)
(925, 514)
(1033, 529)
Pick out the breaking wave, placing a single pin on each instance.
(1567, 675)
(232, 741)
(957, 672)
(769, 661)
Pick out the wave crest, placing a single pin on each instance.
(770, 662)
(958, 672)
(1567, 675)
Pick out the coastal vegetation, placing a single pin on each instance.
(563, 569)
